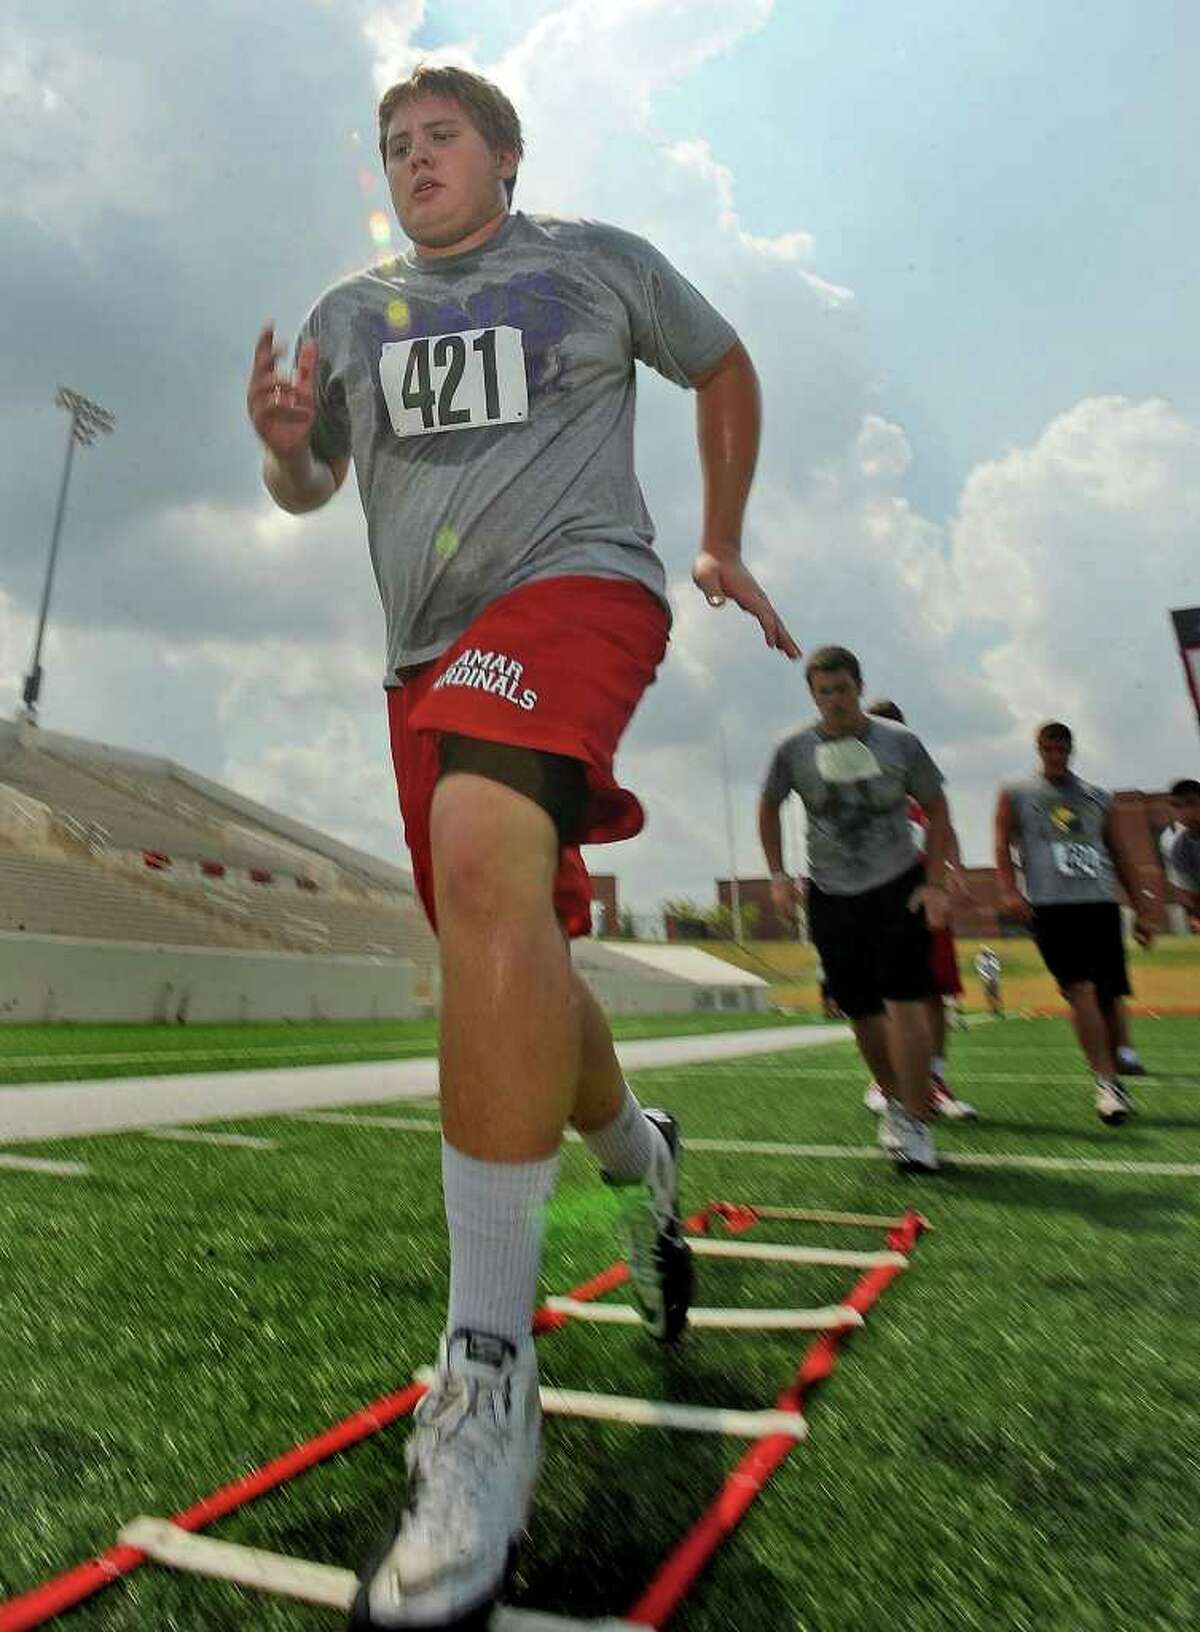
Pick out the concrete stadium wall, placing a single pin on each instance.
(51, 978)
(635, 994)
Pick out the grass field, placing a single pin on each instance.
(1165, 980)
(1010, 1443)
(60, 1053)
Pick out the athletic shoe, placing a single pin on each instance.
(907, 1140)
(1113, 1103)
(660, 1261)
(1130, 1066)
(472, 1465)
(875, 1099)
(945, 1104)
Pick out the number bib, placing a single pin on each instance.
(455, 382)
(1077, 860)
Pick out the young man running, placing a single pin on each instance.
(987, 967)
(872, 902)
(483, 386)
(1180, 846)
(1061, 831)
(943, 967)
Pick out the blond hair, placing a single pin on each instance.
(484, 104)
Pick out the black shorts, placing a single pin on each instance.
(1083, 941)
(874, 948)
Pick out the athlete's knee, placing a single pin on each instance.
(1080, 994)
(492, 851)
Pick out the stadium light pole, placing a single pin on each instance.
(88, 420)
(735, 894)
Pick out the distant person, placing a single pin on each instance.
(1180, 847)
(1063, 834)
(482, 383)
(872, 901)
(987, 967)
(943, 966)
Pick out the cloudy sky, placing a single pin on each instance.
(959, 242)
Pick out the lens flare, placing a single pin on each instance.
(380, 228)
(397, 314)
(446, 543)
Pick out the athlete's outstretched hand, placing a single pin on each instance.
(282, 406)
(722, 578)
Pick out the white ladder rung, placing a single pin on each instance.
(836, 1317)
(819, 1215)
(639, 1413)
(301, 1578)
(775, 1252)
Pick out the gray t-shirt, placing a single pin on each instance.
(1058, 831)
(1181, 857)
(856, 791)
(488, 402)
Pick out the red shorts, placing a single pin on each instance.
(559, 665)
(943, 964)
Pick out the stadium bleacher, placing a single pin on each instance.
(99, 843)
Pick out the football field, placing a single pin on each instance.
(1010, 1441)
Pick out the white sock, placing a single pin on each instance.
(496, 1216)
(938, 1065)
(1129, 1055)
(625, 1146)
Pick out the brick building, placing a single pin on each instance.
(756, 893)
(604, 904)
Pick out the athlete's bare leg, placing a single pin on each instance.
(511, 1023)
(1091, 1028)
(600, 1090)
(1117, 1016)
(935, 1007)
(871, 1034)
(908, 1026)
(895, 1047)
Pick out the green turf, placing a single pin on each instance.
(1010, 1443)
(30, 1054)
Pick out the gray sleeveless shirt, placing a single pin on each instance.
(1058, 830)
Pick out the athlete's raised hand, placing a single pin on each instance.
(282, 406)
(722, 578)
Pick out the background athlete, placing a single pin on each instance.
(872, 901)
(1061, 832)
(483, 386)
(1180, 846)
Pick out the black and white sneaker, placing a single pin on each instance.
(1129, 1064)
(660, 1261)
(473, 1460)
(907, 1140)
(1113, 1102)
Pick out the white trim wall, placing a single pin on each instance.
(56, 977)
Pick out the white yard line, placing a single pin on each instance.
(824, 1153)
(193, 1136)
(75, 1109)
(37, 1164)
